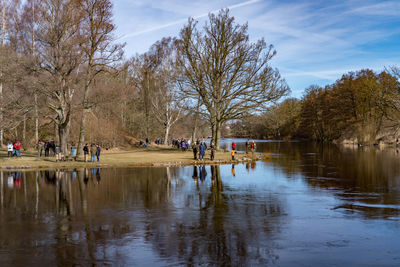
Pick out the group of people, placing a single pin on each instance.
(182, 143)
(94, 150)
(47, 146)
(14, 149)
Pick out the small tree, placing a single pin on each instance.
(231, 76)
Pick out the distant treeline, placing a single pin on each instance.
(361, 107)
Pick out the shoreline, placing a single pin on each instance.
(153, 157)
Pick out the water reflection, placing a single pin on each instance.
(79, 219)
(306, 201)
(366, 179)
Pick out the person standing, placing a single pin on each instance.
(10, 149)
(17, 148)
(202, 150)
(85, 152)
(212, 149)
(233, 145)
(253, 148)
(46, 148)
(194, 147)
(93, 153)
(53, 147)
(247, 146)
(98, 150)
(40, 147)
(233, 154)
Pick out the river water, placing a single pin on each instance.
(304, 205)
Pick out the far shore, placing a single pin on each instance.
(157, 156)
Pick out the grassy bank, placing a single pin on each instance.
(154, 156)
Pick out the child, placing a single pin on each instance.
(10, 149)
(233, 154)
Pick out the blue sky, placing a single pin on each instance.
(316, 41)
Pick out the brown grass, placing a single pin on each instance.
(154, 156)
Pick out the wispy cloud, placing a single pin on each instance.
(317, 41)
(182, 21)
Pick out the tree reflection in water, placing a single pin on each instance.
(68, 217)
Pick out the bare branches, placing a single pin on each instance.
(231, 75)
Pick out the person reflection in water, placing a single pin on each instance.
(233, 169)
(17, 179)
(212, 175)
(247, 166)
(253, 165)
(98, 178)
(86, 176)
(203, 173)
(195, 175)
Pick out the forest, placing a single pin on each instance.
(361, 107)
(64, 76)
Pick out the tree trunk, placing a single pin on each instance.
(167, 127)
(36, 120)
(63, 131)
(24, 132)
(196, 115)
(216, 133)
(56, 133)
(1, 113)
(85, 106)
(82, 131)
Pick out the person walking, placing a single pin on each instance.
(233, 145)
(10, 149)
(40, 147)
(247, 146)
(98, 150)
(85, 152)
(93, 150)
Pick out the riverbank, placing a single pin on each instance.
(154, 156)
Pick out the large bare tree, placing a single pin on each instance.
(231, 75)
(99, 49)
(59, 48)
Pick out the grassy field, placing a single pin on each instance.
(154, 156)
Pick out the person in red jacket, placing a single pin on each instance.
(233, 146)
(17, 148)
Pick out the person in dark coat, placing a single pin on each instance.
(202, 151)
(85, 152)
(98, 150)
(195, 150)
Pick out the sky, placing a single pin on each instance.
(316, 41)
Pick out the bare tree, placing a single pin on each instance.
(60, 55)
(231, 75)
(167, 106)
(99, 50)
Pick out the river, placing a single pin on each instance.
(304, 205)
